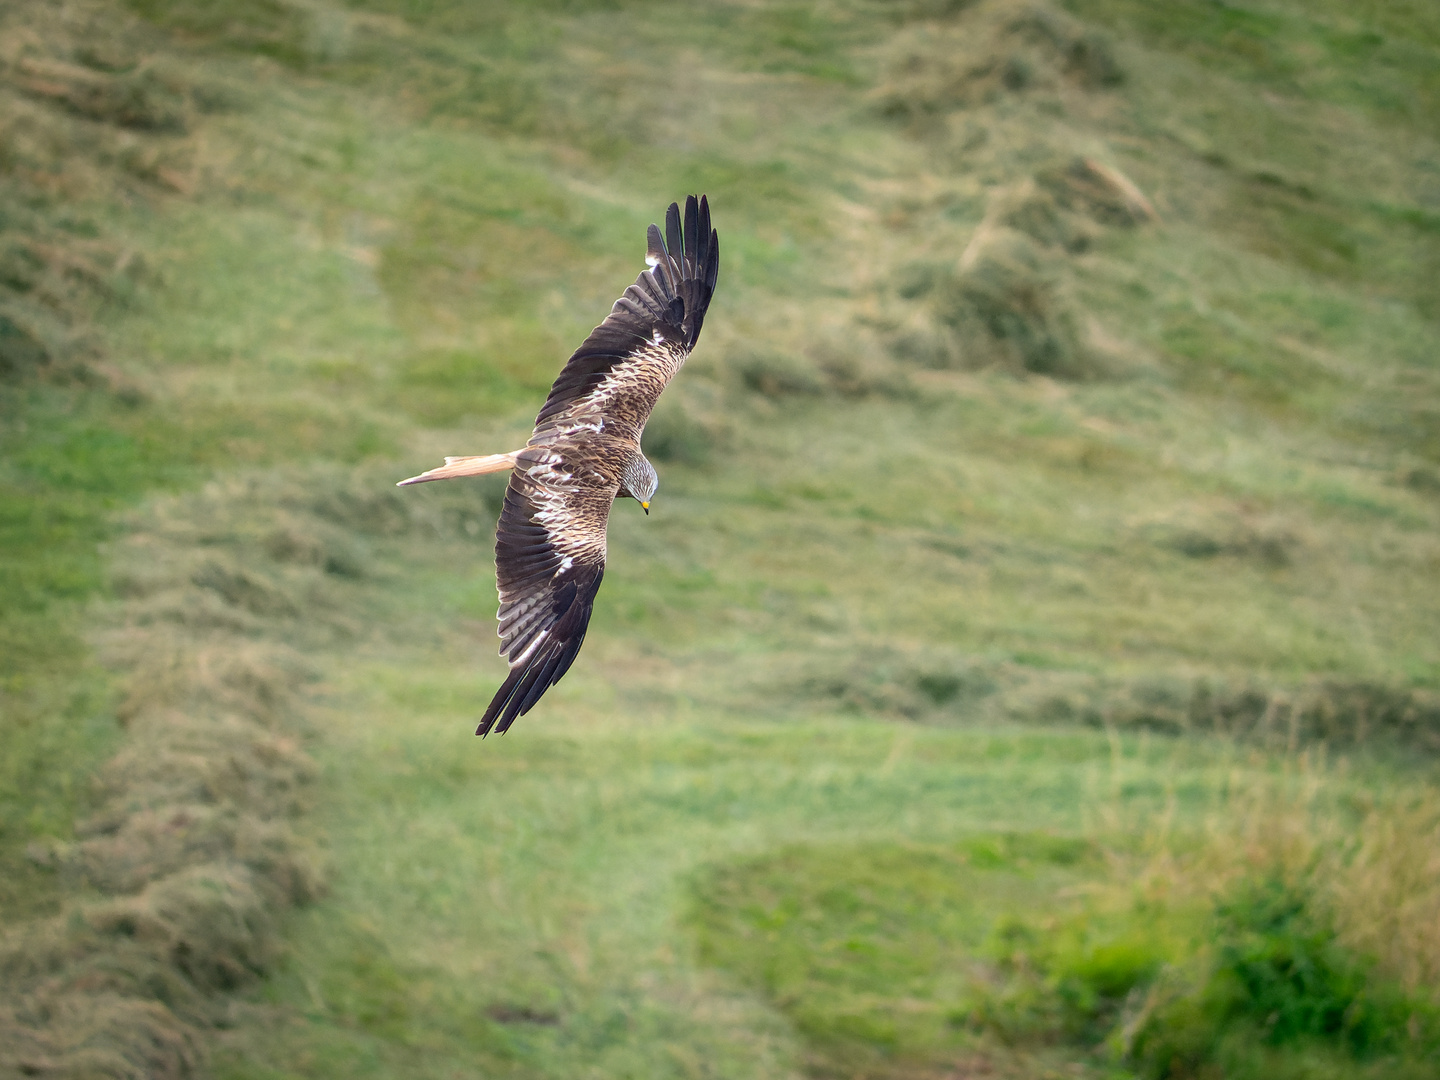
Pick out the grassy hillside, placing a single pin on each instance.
(1030, 665)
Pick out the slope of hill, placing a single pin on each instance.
(1029, 666)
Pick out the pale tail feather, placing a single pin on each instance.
(466, 466)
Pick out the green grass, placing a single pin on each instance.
(534, 881)
(1375, 56)
(72, 458)
(785, 815)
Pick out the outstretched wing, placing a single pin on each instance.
(629, 358)
(549, 559)
(550, 544)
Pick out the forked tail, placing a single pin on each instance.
(466, 466)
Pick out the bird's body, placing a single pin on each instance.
(583, 455)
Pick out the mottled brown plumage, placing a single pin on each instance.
(584, 454)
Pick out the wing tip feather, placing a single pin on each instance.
(654, 246)
(500, 702)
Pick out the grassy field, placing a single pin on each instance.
(1030, 668)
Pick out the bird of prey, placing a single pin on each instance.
(584, 454)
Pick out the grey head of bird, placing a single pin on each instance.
(639, 481)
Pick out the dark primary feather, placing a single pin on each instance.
(550, 544)
(544, 602)
(670, 297)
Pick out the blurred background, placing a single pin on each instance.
(1030, 665)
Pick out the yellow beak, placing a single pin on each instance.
(646, 507)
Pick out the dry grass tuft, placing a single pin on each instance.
(943, 686)
(1099, 191)
(1383, 886)
(1333, 712)
(191, 853)
(135, 96)
(823, 363)
(87, 114)
(991, 50)
(1004, 303)
(777, 374)
(1008, 307)
(1006, 87)
(1373, 871)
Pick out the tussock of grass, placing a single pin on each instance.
(778, 375)
(88, 119)
(982, 52)
(130, 97)
(88, 126)
(943, 687)
(1004, 291)
(1098, 191)
(1003, 299)
(1331, 712)
(190, 856)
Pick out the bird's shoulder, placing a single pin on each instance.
(565, 486)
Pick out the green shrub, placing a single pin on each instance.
(1280, 966)
(1067, 981)
(1277, 979)
(1273, 989)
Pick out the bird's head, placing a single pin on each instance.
(639, 481)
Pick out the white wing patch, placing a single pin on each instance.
(535, 643)
(552, 491)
